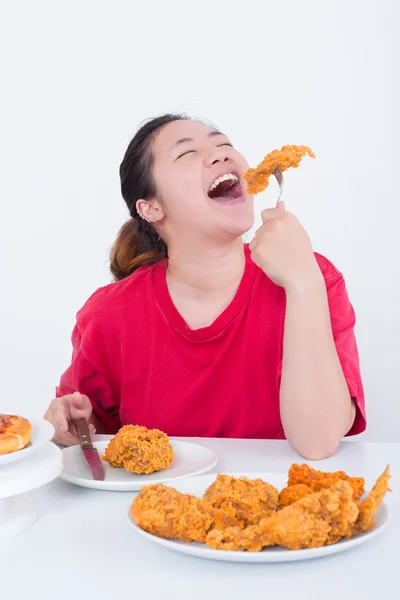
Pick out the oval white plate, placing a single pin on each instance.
(42, 432)
(197, 487)
(190, 459)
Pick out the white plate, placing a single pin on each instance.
(190, 459)
(198, 485)
(42, 432)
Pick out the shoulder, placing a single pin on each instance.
(338, 297)
(113, 299)
(330, 272)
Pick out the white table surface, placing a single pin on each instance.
(83, 545)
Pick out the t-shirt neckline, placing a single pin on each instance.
(227, 316)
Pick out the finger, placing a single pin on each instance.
(79, 406)
(76, 400)
(66, 439)
(68, 408)
(281, 205)
(271, 214)
(60, 417)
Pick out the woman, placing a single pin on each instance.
(212, 337)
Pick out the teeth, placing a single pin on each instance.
(228, 176)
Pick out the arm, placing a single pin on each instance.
(320, 372)
(82, 392)
(315, 402)
(85, 375)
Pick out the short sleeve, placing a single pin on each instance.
(84, 377)
(343, 322)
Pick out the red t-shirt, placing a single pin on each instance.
(138, 361)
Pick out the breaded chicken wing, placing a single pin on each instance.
(318, 480)
(292, 493)
(246, 500)
(139, 450)
(242, 514)
(252, 539)
(288, 156)
(370, 504)
(311, 522)
(342, 522)
(164, 512)
(357, 484)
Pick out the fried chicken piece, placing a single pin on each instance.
(289, 156)
(139, 450)
(164, 512)
(246, 500)
(307, 475)
(342, 523)
(370, 504)
(318, 480)
(311, 522)
(357, 484)
(252, 539)
(292, 493)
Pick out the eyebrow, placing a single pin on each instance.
(189, 139)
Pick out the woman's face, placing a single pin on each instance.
(199, 176)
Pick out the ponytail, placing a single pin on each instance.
(137, 244)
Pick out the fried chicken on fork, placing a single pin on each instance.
(288, 156)
(164, 512)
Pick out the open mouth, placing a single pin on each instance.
(226, 187)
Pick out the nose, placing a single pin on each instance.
(217, 155)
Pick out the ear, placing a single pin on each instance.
(150, 210)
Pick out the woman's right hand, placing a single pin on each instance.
(61, 414)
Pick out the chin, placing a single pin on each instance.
(239, 227)
(241, 222)
(234, 218)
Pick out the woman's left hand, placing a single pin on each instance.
(283, 250)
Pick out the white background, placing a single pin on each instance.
(78, 76)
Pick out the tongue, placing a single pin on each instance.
(226, 190)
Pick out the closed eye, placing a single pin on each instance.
(190, 151)
(183, 153)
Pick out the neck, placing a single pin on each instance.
(205, 269)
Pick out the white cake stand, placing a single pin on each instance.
(18, 510)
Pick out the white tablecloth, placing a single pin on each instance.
(83, 545)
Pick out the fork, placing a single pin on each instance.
(280, 180)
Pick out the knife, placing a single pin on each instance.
(90, 453)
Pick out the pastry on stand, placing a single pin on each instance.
(18, 477)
